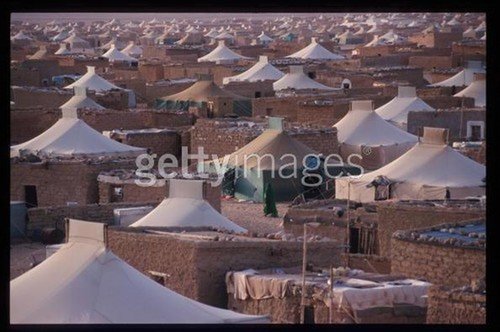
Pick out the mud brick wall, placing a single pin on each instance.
(60, 182)
(160, 142)
(322, 141)
(445, 102)
(447, 306)
(454, 120)
(41, 217)
(376, 51)
(387, 60)
(26, 124)
(151, 72)
(132, 193)
(393, 218)
(249, 89)
(430, 62)
(31, 98)
(197, 268)
(438, 264)
(152, 92)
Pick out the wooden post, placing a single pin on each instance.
(304, 266)
(347, 240)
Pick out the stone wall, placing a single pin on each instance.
(393, 217)
(448, 306)
(197, 267)
(60, 182)
(159, 142)
(27, 124)
(453, 119)
(41, 217)
(438, 264)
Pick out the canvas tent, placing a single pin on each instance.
(476, 90)
(426, 172)
(199, 94)
(132, 50)
(85, 283)
(396, 111)
(221, 54)
(114, 55)
(361, 131)
(315, 51)
(81, 100)
(296, 79)
(185, 207)
(464, 77)
(72, 137)
(261, 71)
(94, 82)
(252, 167)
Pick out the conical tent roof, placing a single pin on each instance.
(476, 90)
(221, 53)
(315, 51)
(132, 50)
(398, 108)
(21, 36)
(261, 71)
(362, 126)
(264, 38)
(202, 91)
(42, 53)
(273, 142)
(71, 137)
(424, 172)
(81, 100)
(185, 207)
(298, 80)
(92, 81)
(85, 283)
(464, 77)
(113, 54)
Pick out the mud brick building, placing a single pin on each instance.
(193, 260)
(450, 254)
(59, 182)
(224, 136)
(463, 123)
(405, 215)
(119, 186)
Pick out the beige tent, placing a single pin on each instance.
(85, 283)
(364, 132)
(185, 207)
(426, 172)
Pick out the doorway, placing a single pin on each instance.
(30, 196)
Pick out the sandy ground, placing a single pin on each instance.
(251, 216)
(23, 254)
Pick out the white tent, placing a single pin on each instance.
(132, 50)
(81, 100)
(212, 33)
(264, 38)
(464, 77)
(261, 71)
(298, 80)
(21, 36)
(113, 54)
(63, 50)
(315, 51)
(396, 111)
(92, 81)
(85, 283)
(425, 172)
(476, 90)
(221, 53)
(72, 137)
(185, 207)
(60, 36)
(362, 131)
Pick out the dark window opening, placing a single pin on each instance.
(159, 277)
(475, 133)
(353, 240)
(30, 196)
(257, 94)
(312, 75)
(347, 86)
(309, 315)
